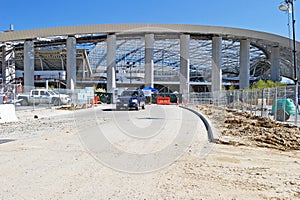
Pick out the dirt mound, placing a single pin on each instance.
(75, 107)
(243, 128)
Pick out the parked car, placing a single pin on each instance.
(131, 99)
(44, 96)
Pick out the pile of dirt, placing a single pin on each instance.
(244, 128)
(75, 107)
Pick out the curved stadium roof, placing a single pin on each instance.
(131, 45)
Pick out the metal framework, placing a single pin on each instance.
(167, 59)
(91, 51)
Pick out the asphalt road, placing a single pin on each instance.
(130, 141)
(145, 140)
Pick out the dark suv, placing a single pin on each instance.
(131, 99)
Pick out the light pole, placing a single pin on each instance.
(289, 7)
(59, 88)
(130, 65)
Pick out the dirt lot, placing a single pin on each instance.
(255, 159)
(243, 128)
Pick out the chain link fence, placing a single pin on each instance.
(275, 103)
(39, 98)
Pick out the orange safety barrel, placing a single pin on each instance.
(4, 99)
(96, 99)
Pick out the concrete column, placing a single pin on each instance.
(71, 63)
(244, 64)
(149, 64)
(216, 74)
(275, 64)
(4, 65)
(184, 77)
(28, 65)
(111, 63)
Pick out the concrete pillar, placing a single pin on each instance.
(244, 64)
(216, 74)
(28, 65)
(4, 65)
(149, 64)
(111, 63)
(275, 64)
(71, 63)
(184, 77)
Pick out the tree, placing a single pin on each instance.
(267, 84)
(231, 87)
(260, 84)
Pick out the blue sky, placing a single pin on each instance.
(260, 15)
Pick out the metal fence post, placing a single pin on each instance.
(284, 104)
(262, 102)
(275, 104)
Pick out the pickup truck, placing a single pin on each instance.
(43, 96)
(131, 99)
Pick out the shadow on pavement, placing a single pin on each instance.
(5, 141)
(108, 109)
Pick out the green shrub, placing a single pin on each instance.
(267, 84)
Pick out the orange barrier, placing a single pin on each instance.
(163, 100)
(96, 99)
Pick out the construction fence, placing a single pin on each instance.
(275, 103)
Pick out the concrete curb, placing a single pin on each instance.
(211, 132)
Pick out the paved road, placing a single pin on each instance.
(145, 140)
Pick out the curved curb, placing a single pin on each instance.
(211, 133)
